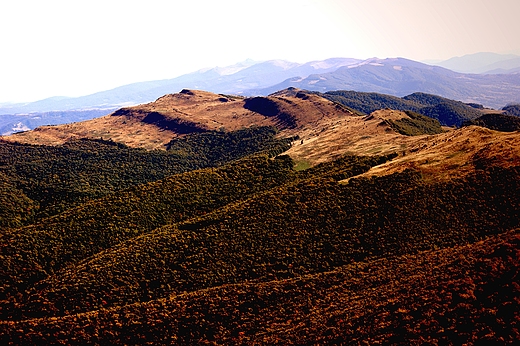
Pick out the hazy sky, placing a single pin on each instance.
(74, 48)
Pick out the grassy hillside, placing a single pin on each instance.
(153, 125)
(416, 124)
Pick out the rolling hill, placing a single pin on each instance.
(206, 218)
(291, 111)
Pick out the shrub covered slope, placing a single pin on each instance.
(219, 241)
(498, 122)
(51, 179)
(447, 112)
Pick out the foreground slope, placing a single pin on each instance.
(309, 227)
(466, 294)
(283, 241)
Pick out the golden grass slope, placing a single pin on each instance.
(358, 135)
(200, 109)
(455, 153)
(326, 130)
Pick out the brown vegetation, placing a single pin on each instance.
(455, 153)
(462, 295)
(154, 124)
(383, 238)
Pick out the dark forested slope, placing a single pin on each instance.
(513, 109)
(447, 112)
(30, 253)
(281, 240)
(51, 179)
(498, 122)
(466, 294)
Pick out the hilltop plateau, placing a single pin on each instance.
(294, 218)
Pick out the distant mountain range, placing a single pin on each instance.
(486, 63)
(236, 79)
(398, 77)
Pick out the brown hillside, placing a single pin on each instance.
(462, 295)
(154, 124)
(333, 137)
(455, 153)
(326, 130)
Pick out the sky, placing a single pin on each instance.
(74, 48)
